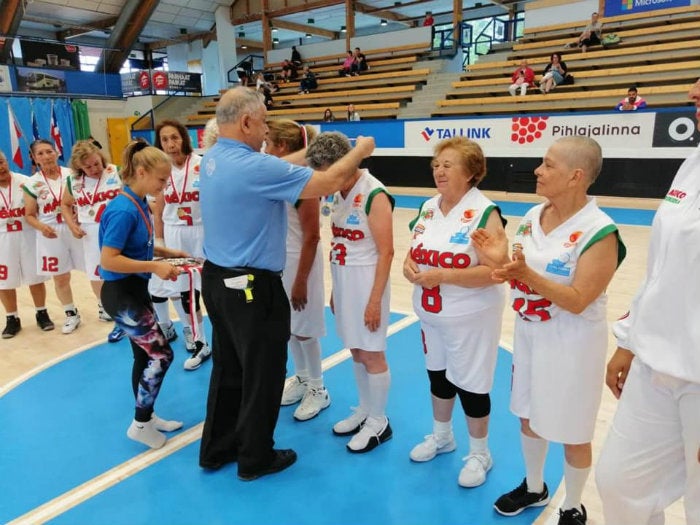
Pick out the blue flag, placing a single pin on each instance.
(35, 126)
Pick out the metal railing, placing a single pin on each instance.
(257, 63)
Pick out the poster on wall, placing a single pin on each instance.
(136, 83)
(5, 80)
(627, 7)
(43, 54)
(40, 80)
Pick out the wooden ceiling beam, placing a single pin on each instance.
(303, 28)
(77, 30)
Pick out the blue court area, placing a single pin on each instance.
(629, 216)
(67, 425)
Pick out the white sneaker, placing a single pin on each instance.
(102, 315)
(431, 447)
(189, 339)
(146, 433)
(294, 390)
(165, 425)
(474, 471)
(351, 424)
(372, 434)
(201, 354)
(72, 322)
(314, 400)
(169, 331)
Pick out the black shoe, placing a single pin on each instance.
(573, 516)
(282, 460)
(43, 321)
(368, 438)
(216, 464)
(517, 500)
(14, 325)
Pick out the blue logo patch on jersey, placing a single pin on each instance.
(111, 180)
(353, 219)
(558, 267)
(461, 237)
(195, 183)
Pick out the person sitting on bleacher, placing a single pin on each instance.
(353, 116)
(289, 71)
(346, 70)
(360, 63)
(632, 102)
(553, 74)
(592, 34)
(328, 115)
(266, 88)
(522, 78)
(308, 81)
(296, 57)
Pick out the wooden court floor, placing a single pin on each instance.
(33, 350)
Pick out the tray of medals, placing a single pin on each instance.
(182, 261)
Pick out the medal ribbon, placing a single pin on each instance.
(94, 194)
(149, 226)
(181, 196)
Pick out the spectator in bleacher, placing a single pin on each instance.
(553, 74)
(245, 71)
(522, 78)
(632, 102)
(289, 71)
(359, 64)
(353, 116)
(592, 34)
(308, 81)
(328, 115)
(429, 21)
(296, 57)
(347, 65)
(265, 88)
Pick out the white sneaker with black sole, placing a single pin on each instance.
(314, 400)
(202, 353)
(72, 322)
(351, 424)
(169, 331)
(373, 433)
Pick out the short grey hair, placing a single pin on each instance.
(326, 149)
(211, 133)
(583, 153)
(236, 102)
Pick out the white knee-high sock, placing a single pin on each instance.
(181, 313)
(311, 349)
(162, 312)
(534, 452)
(362, 380)
(299, 358)
(574, 481)
(378, 393)
(201, 334)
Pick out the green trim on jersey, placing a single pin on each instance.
(371, 196)
(69, 183)
(415, 220)
(487, 213)
(26, 190)
(604, 232)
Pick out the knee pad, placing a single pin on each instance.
(157, 299)
(185, 298)
(474, 405)
(440, 387)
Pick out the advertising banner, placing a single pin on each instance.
(5, 80)
(43, 54)
(151, 82)
(676, 129)
(626, 7)
(35, 80)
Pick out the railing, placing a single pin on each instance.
(257, 63)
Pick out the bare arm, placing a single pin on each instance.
(111, 259)
(67, 202)
(617, 370)
(157, 208)
(380, 224)
(310, 231)
(31, 214)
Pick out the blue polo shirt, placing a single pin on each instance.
(122, 227)
(242, 196)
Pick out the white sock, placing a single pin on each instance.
(534, 453)
(299, 358)
(378, 393)
(40, 308)
(311, 348)
(162, 313)
(165, 425)
(574, 481)
(68, 307)
(184, 316)
(479, 445)
(442, 430)
(144, 432)
(362, 386)
(12, 314)
(201, 336)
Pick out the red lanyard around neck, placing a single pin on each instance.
(149, 226)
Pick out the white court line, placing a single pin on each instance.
(98, 484)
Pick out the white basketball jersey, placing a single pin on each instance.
(92, 195)
(352, 243)
(442, 241)
(182, 194)
(12, 205)
(555, 257)
(47, 193)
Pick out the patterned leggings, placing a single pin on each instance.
(127, 301)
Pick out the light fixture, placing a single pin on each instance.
(274, 29)
(310, 21)
(275, 40)
(343, 30)
(308, 35)
(244, 46)
(382, 22)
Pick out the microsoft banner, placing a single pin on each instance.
(626, 7)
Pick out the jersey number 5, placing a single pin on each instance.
(527, 309)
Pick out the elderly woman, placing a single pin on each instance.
(459, 305)
(553, 74)
(362, 249)
(303, 282)
(565, 253)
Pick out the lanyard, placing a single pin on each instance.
(8, 200)
(149, 226)
(181, 196)
(94, 193)
(60, 191)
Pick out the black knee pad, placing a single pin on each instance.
(440, 387)
(157, 299)
(474, 405)
(185, 298)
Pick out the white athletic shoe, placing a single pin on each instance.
(432, 446)
(351, 424)
(145, 432)
(373, 433)
(314, 400)
(102, 315)
(72, 322)
(189, 339)
(294, 390)
(165, 425)
(201, 354)
(168, 331)
(474, 471)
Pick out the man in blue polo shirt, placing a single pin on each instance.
(243, 194)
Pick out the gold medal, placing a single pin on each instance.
(181, 213)
(91, 212)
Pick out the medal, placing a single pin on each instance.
(180, 213)
(91, 212)
(325, 210)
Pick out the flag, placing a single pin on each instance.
(56, 133)
(35, 126)
(15, 135)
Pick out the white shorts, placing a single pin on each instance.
(309, 322)
(650, 457)
(351, 288)
(466, 347)
(18, 259)
(189, 239)
(91, 251)
(60, 255)
(558, 372)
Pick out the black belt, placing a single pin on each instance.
(242, 270)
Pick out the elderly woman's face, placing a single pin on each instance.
(451, 177)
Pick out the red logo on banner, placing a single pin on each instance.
(144, 80)
(527, 129)
(160, 80)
